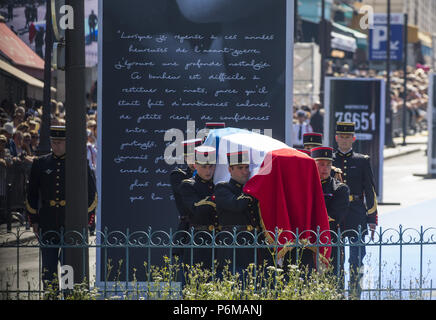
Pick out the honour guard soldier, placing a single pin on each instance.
(357, 174)
(176, 177)
(312, 140)
(45, 201)
(199, 201)
(336, 197)
(237, 212)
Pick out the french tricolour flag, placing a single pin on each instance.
(285, 182)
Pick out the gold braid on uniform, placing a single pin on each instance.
(243, 196)
(93, 204)
(29, 208)
(374, 207)
(205, 202)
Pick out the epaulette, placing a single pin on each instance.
(189, 180)
(178, 170)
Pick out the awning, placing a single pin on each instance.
(412, 34)
(425, 39)
(310, 10)
(361, 38)
(35, 87)
(343, 42)
(17, 51)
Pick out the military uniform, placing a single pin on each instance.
(176, 177)
(45, 202)
(358, 176)
(237, 211)
(336, 198)
(198, 199)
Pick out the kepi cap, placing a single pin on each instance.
(205, 155)
(322, 153)
(58, 132)
(345, 127)
(312, 138)
(190, 145)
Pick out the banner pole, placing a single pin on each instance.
(405, 79)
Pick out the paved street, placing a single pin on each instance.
(417, 197)
(29, 266)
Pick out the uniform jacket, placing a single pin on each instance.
(176, 178)
(358, 176)
(234, 207)
(45, 201)
(336, 196)
(197, 198)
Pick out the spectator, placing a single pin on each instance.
(317, 118)
(16, 144)
(32, 125)
(5, 163)
(27, 139)
(91, 151)
(23, 127)
(18, 116)
(39, 42)
(92, 22)
(34, 142)
(301, 127)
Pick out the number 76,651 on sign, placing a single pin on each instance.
(364, 121)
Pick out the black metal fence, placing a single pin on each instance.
(390, 254)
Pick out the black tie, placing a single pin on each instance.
(300, 132)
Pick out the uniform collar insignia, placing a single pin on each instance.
(325, 180)
(48, 171)
(346, 154)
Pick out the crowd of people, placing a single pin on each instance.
(310, 118)
(20, 125)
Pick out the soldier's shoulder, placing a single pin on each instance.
(188, 181)
(47, 156)
(179, 172)
(42, 159)
(222, 184)
(361, 156)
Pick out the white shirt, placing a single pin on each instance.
(92, 155)
(299, 129)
